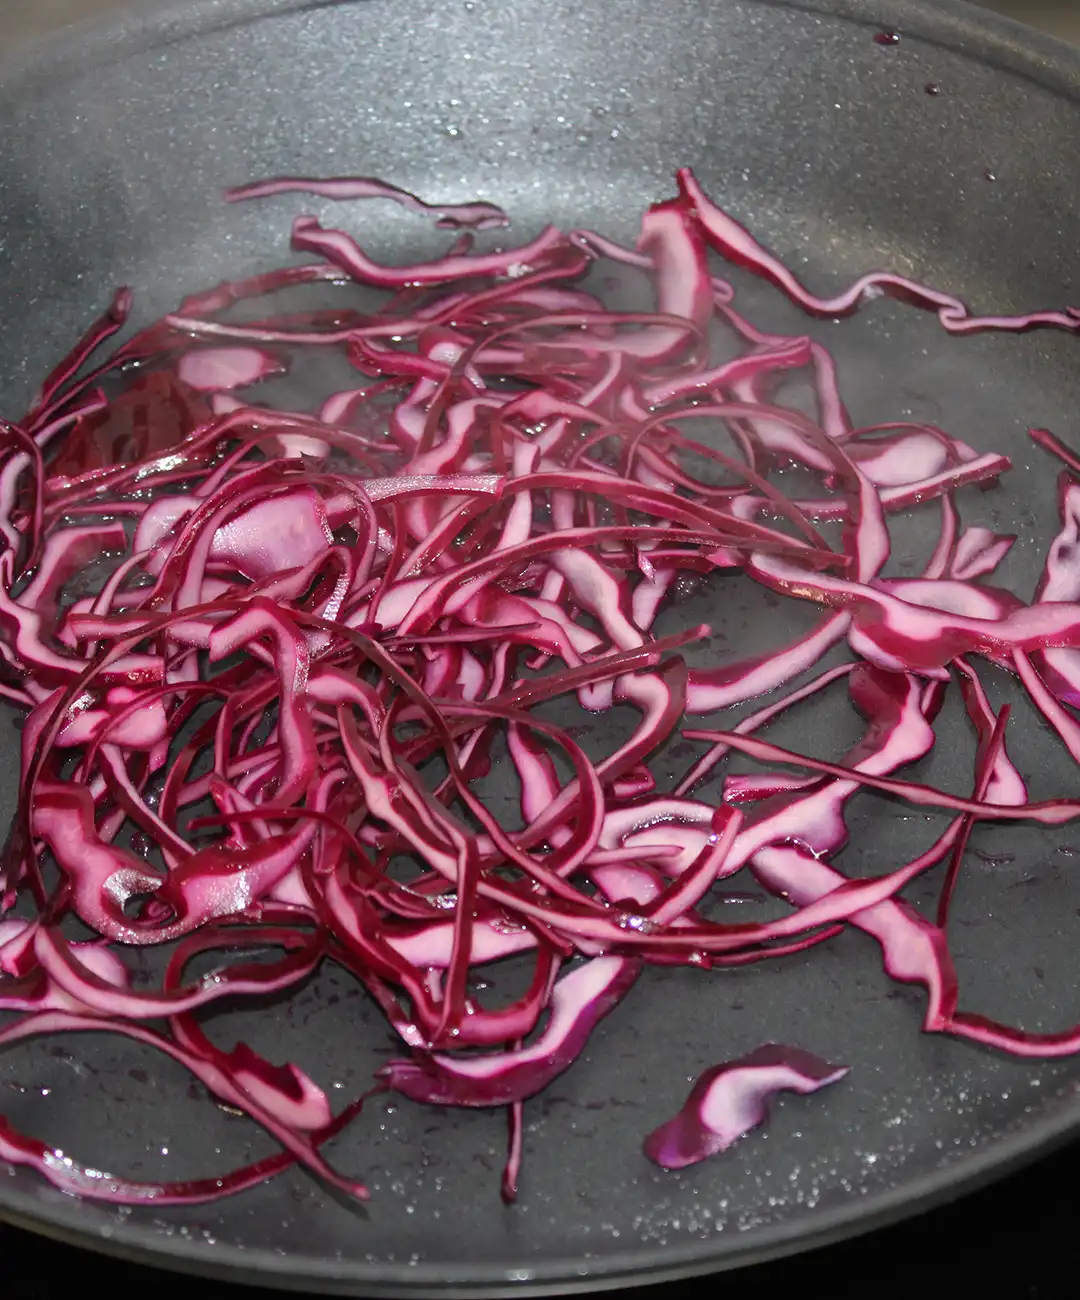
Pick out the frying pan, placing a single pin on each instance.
(115, 144)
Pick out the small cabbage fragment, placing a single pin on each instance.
(729, 1100)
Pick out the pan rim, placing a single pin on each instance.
(991, 38)
(980, 35)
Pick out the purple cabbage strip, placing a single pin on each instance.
(578, 1002)
(729, 1100)
(450, 216)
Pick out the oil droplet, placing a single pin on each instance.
(886, 38)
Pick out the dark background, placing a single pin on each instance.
(1019, 1238)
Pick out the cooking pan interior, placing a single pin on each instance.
(114, 149)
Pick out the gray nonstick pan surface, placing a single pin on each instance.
(115, 143)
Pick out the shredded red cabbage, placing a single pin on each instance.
(265, 656)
